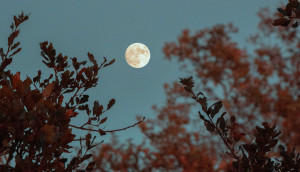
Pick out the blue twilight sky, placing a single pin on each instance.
(107, 28)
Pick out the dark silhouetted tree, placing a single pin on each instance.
(35, 129)
(249, 156)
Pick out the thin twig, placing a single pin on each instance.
(108, 131)
(219, 132)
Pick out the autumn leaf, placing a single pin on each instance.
(222, 123)
(88, 140)
(49, 133)
(60, 99)
(2, 52)
(111, 103)
(101, 132)
(84, 99)
(27, 83)
(281, 22)
(35, 129)
(103, 120)
(216, 108)
(5, 63)
(15, 45)
(295, 25)
(38, 77)
(110, 63)
(12, 37)
(69, 113)
(16, 80)
(15, 52)
(47, 91)
(82, 70)
(188, 83)
(97, 109)
(92, 59)
(209, 126)
(282, 11)
(237, 136)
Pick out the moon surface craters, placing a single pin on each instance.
(137, 55)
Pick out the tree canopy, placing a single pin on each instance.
(35, 113)
(257, 130)
(251, 126)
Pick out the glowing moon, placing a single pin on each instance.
(137, 55)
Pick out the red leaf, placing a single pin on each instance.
(101, 132)
(110, 63)
(1, 52)
(111, 103)
(97, 109)
(103, 120)
(82, 70)
(16, 80)
(92, 59)
(281, 22)
(238, 136)
(16, 20)
(88, 140)
(47, 91)
(27, 83)
(69, 113)
(15, 46)
(60, 99)
(49, 133)
(18, 50)
(12, 36)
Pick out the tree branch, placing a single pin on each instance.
(108, 131)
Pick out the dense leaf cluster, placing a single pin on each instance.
(35, 115)
(35, 129)
(248, 157)
(288, 15)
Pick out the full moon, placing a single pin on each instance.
(137, 55)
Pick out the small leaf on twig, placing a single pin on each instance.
(101, 132)
(103, 120)
(209, 126)
(92, 59)
(188, 83)
(110, 63)
(111, 103)
(216, 108)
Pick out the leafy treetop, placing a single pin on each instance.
(35, 116)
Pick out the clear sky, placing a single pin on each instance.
(107, 28)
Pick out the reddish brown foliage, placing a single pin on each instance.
(266, 82)
(35, 129)
(249, 156)
(257, 85)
